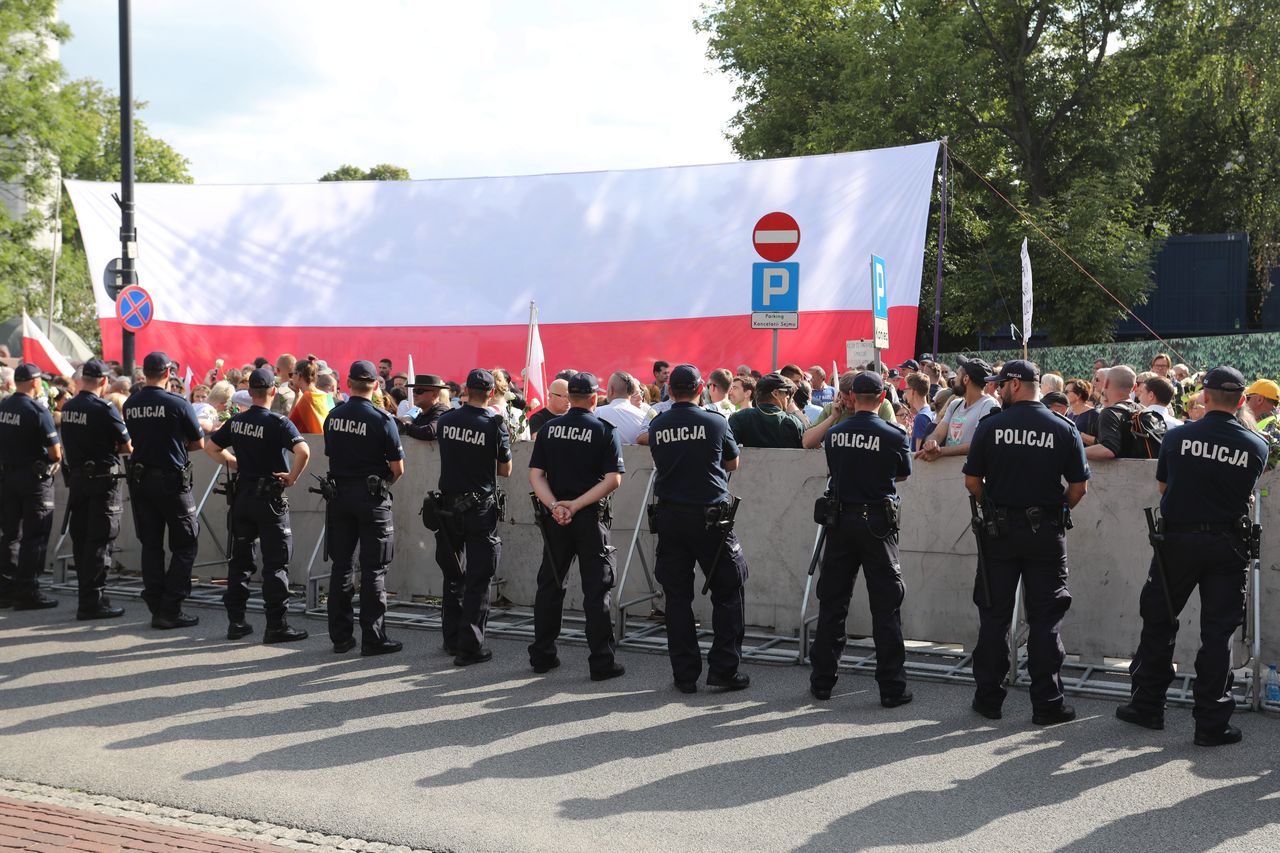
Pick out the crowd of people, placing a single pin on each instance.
(1120, 411)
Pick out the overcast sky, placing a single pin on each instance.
(259, 91)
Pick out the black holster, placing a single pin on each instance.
(378, 487)
(720, 516)
(826, 510)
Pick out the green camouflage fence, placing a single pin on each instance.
(1254, 355)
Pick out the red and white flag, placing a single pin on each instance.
(39, 350)
(535, 373)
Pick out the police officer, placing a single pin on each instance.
(471, 440)
(866, 455)
(1207, 470)
(164, 428)
(576, 464)
(693, 451)
(365, 458)
(253, 445)
(94, 436)
(1016, 464)
(29, 454)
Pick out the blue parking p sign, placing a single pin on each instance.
(879, 288)
(775, 287)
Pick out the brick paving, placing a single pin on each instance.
(47, 828)
(42, 819)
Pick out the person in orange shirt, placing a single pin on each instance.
(312, 406)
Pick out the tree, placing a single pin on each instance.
(380, 172)
(33, 127)
(1040, 98)
(47, 126)
(95, 156)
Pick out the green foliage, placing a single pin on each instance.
(380, 172)
(47, 125)
(1073, 111)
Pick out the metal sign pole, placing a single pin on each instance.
(128, 232)
(774, 369)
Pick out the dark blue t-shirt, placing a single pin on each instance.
(576, 450)
(1025, 452)
(259, 438)
(865, 455)
(360, 439)
(471, 439)
(92, 431)
(689, 446)
(26, 430)
(1210, 468)
(922, 426)
(161, 425)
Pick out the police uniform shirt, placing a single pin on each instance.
(689, 446)
(260, 439)
(1210, 467)
(92, 431)
(1024, 452)
(471, 439)
(26, 429)
(360, 439)
(576, 450)
(865, 456)
(161, 425)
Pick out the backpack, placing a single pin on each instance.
(1146, 432)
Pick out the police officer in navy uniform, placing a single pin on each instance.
(253, 445)
(164, 428)
(93, 437)
(576, 464)
(29, 453)
(474, 445)
(693, 451)
(1207, 470)
(1017, 462)
(866, 456)
(365, 458)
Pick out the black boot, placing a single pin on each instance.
(283, 633)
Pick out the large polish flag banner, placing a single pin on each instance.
(626, 267)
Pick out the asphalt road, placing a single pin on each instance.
(410, 750)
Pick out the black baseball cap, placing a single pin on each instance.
(362, 371)
(1016, 369)
(156, 362)
(263, 377)
(977, 369)
(94, 369)
(867, 382)
(910, 364)
(771, 383)
(582, 384)
(1224, 378)
(684, 376)
(26, 372)
(481, 380)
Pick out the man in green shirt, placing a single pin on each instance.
(772, 421)
(836, 411)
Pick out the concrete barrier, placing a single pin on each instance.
(1108, 551)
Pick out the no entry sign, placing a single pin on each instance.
(134, 308)
(776, 236)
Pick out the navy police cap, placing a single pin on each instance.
(94, 369)
(581, 384)
(1224, 378)
(1017, 369)
(263, 377)
(155, 362)
(481, 380)
(868, 382)
(362, 371)
(684, 376)
(26, 372)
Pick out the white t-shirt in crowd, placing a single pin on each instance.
(1169, 420)
(626, 419)
(962, 419)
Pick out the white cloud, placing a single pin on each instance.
(286, 90)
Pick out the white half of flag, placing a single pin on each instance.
(39, 350)
(188, 381)
(412, 373)
(777, 236)
(1027, 298)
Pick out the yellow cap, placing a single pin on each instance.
(1265, 388)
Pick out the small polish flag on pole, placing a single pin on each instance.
(535, 372)
(39, 350)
